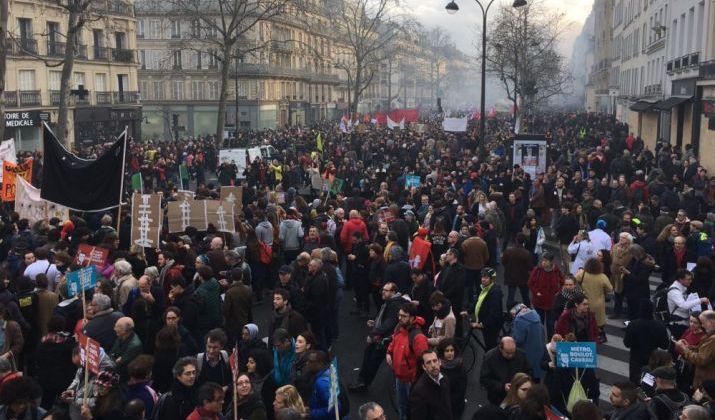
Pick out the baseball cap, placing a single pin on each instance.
(285, 269)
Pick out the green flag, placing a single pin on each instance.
(337, 186)
(183, 175)
(319, 142)
(138, 182)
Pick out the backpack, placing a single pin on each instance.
(200, 360)
(675, 408)
(661, 312)
(159, 406)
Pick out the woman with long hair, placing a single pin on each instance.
(516, 393)
(453, 369)
(596, 286)
(300, 376)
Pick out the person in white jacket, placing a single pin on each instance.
(583, 248)
(599, 237)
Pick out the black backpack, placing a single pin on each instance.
(661, 311)
(676, 408)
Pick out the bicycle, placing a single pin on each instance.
(472, 340)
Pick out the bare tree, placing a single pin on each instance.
(365, 29)
(224, 25)
(440, 48)
(522, 53)
(3, 62)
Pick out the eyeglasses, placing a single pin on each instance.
(388, 290)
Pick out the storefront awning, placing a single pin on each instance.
(668, 104)
(642, 106)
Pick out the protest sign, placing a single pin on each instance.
(182, 195)
(91, 255)
(146, 219)
(576, 354)
(7, 153)
(455, 125)
(82, 279)
(12, 171)
(412, 181)
(220, 215)
(90, 353)
(233, 195)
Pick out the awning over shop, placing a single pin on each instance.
(642, 106)
(668, 104)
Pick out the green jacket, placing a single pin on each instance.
(209, 310)
(123, 352)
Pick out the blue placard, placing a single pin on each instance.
(412, 181)
(576, 355)
(82, 279)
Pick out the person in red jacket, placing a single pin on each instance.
(355, 224)
(577, 320)
(404, 352)
(211, 397)
(545, 282)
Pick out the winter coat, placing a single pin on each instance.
(544, 285)
(528, 332)
(498, 371)
(451, 282)
(442, 328)
(567, 324)
(430, 400)
(320, 397)
(454, 371)
(209, 315)
(101, 327)
(583, 251)
(398, 272)
(517, 262)
(405, 354)
(127, 350)
(264, 232)
(237, 306)
(642, 337)
(177, 404)
(252, 408)
(282, 363)
(290, 232)
(475, 253)
(595, 287)
(636, 284)
(703, 358)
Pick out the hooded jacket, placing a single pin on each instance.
(290, 232)
(264, 232)
(405, 354)
(353, 225)
(528, 332)
(544, 285)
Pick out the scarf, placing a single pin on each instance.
(480, 300)
(679, 256)
(444, 311)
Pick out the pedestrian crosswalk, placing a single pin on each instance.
(613, 355)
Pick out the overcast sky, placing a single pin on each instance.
(463, 25)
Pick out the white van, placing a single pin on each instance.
(238, 156)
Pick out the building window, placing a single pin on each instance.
(144, 87)
(79, 80)
(177, 59)
(26, 79)
(140, 28)
(158, 90)
(177, 90)
(155, 29)
(100, 82)
(55, 80)
(176, 29)
(197, 90)
(142, 59)
(212, 91)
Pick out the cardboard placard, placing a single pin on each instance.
(220, 214)
(12, 171)
(146, 220)
(234, 196)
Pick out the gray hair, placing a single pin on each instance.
(180, 364)
(101, 301)
(122, 267)
(367, 407)
(696, 412)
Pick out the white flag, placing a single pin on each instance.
(391, 124)
(456, 125)
(29, 205)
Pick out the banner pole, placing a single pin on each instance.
(85, 401)
(121, 182)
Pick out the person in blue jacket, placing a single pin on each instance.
(528, 332)
(320, 397)
(283, 355)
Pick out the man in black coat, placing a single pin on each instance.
(318, 302)
(381, 328)
(451, 283)
(430, 395)
(499, 366)
(566, 228)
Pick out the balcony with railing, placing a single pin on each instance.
(126, 97)
(30, 98)
(10, 97)
(73, 99)
(123, 55)
(103, 98)
(684, 63)
(57, 49)
(653, 90)
(24, 46)
(282, 46)
(100, 53)
(118, 8)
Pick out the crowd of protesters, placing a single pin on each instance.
(425, 265)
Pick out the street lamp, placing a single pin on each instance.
(452, 8)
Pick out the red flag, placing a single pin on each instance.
(233, 362)
(419, 252)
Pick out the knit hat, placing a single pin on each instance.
(107, 379)
(252, 330)
(664, 372)
(203, 258)
(601, 224)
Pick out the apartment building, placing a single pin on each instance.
(598, 96)
(287, 78)
(104, 75)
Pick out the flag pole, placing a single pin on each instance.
(121, 182)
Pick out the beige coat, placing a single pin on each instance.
(621, 257)
(595, 287)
